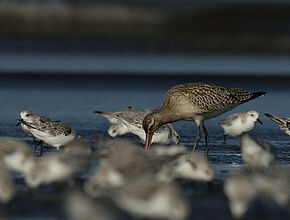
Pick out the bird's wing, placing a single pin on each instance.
(229, 120)
(212, 98)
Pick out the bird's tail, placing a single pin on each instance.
(258, 94)
(241, 96)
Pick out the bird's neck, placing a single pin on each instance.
(165, 117)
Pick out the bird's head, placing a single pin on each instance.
(26, 116)
(254, 116)
(150, 125)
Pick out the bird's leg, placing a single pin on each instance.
(41, 149)
(35, 143)
(206, 139)
(225, 139)
(197, 138)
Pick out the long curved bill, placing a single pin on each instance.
(148, 141)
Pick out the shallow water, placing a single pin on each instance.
(73, 101)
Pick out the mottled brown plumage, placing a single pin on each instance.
(195, 102)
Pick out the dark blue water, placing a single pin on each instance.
(73, 99)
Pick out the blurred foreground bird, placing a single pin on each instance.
(269, 184)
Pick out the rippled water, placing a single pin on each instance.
(73, 100)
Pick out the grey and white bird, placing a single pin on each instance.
(16, 155)
(56, 167)
(195, 102)
(151, 199)
(283, 122)
(239, 123)
(53, 133)
(256, 153)
(127, 162)
(37, 118)
(130, 121)
(7, 189)
(192, 166)
(269, 184)
(79, 147)
(79, 206)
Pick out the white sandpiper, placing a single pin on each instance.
(56, 167)
(79, 206)
(79, 147)
(37, 118)
(7, 188)
(256, 153)
(16, 155)
(53, 133)
(151, 199)
(242, 188)
(130, 121)
(195, 102)
(238, 123)
(127, 162)
(283, 122)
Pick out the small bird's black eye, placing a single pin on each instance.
(27, 115)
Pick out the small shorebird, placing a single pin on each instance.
(80, 147)
(195, 102)
(79, 206)
(192, 166)
(37, 118)
(284, 123)
(53, 133)
(16, 155)
(238, 123)
(256, 153)
(130, 121)
(7, 189)
(127, 162)
(271, 184)
(149, 198)
(56, 168)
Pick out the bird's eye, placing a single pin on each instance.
(252, 115)
(27, 115)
